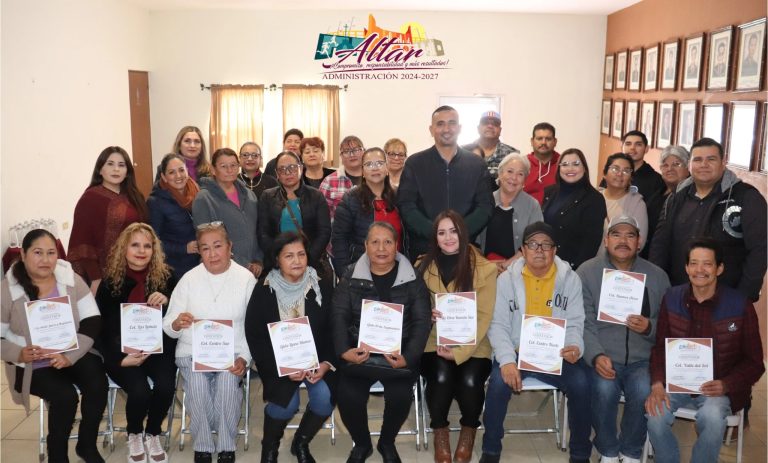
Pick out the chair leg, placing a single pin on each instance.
(425, 427)
(247, 391)
(556, 408)
(41, 452)
(565, 428)
(740, 437)
(416, 414)
(183, 420)
(333, 428)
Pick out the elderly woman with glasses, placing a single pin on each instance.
(212, 295)
(250, 172)
(396, 154)
(622, 198)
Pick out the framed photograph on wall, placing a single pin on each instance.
(751, 55)
(621, 70)
(631, 116)
(669, 65)
(635, 69)
(741, 134)
(665, 124)
(719, 68)
(608, 74)
(686, 123)
(713, 122)
(648, 120)
(617, 120)
(691, 72)
(605, 126)
(764, 139)
(650, 82)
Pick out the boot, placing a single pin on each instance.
(465, 445)
(442, 445)
(270, 443)
(310, 424)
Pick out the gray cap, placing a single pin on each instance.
(622, 220)
(675, 150)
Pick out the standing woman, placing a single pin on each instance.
(621, 198)
(452, 265)
(137, 273)
(575, 209)
(373, 201)
(250, 174)
(396, 154)
(111, 203)
(53, 377)
(217, 289)
(170, 214)
(190, 145)
(291, 289)
(226, 200)
(312, 156)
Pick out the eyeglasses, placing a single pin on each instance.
(533, 245)
(352, 152)
(289, 169)
(370, 165)
(250, 155)
(211, 225)
(619, 171)
(569, 164)
(394, 155)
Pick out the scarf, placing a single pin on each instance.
(184, 199)
(290, 296)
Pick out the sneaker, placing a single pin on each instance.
(154, 449)
(626, 459)
(604, 459)
(136, 452)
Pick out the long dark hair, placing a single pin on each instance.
(20, 270)
(585, 180)
(366, 194)
(128, 186)
(465, 266)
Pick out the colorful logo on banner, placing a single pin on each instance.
(377, 53)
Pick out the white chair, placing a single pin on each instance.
(114, 388)
(377, 387)
(330, 424)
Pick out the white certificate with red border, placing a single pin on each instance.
(541, 340)
(141, 329)
(52, 325)
(381, 327)
(213, 345)
(689, 364)
(621, 295)
(458, 324)
(293, 345)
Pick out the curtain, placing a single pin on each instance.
(314, 109)
(236, 115)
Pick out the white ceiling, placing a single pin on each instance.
(600, 7)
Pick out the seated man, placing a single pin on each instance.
(728, 317)
(538, 284)
(619, 353)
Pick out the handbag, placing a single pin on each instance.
(376, 368)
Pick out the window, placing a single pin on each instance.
(470, 108)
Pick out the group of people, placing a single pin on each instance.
(528, 234)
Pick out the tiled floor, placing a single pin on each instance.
(20, 434)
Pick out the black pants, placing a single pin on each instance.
(353, 393)
(447, 381)
(57, 388)
(143, 401)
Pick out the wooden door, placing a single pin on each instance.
(141, 139)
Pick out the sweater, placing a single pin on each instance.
(526, 210)
(175, 228)
(632, 205)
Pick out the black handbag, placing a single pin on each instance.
(376, 368)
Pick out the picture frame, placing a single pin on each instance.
(687, 112)
(719, 63)
(741, 134)
(651, 72)
(617, 120)
(648, 120)
(621, 70)
(665, 124)
(713, 121)
(631, 117)
(635, 69)
(751, 56)
(764, 140)
(608, 73)
(605, 126)
(691, 70)
(670, 58)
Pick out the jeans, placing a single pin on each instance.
(574, 382)
(634, 380)
(710, 426)
(319, 402)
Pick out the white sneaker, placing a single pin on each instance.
(626, 459)
(155, 450)
(136, 452)
(604, 459)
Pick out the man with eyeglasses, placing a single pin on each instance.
(250, 169)
(489, 143)
(619, 352)
(544, 285)
(347, 176)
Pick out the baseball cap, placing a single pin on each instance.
(539, 227)
(490, 115)
(623, 220)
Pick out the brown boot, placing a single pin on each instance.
(465, 445)
(442, 445)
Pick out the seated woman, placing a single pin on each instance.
(452, 265)
(217, 289)
(53, 377)
(381, 274)
(250, 174)
(373, 201)
(312, 152)
(621, 198)
(291, 289)
(170, 209)
(137, 273)
(396, 154)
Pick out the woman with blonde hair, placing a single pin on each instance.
(189, 144)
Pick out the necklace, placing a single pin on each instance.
(251, 186)
(223, 285)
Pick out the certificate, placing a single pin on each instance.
(621, 295)
(381, 327)
(51, 325)
(213, 345)
(541, 339)
(689, 364)
(294, 346)
(141, 329)
(458, 324)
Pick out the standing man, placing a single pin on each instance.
(442, 177)
(489, 144)
(348, 175)
(620, 353)
(714, 202)
(543, 160)
(704, 308)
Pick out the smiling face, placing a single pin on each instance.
(571, 168)
(374, 167)
(191, 145)
(707, 165)
(635, 148)
(512, 177)
(396, 157)
(138, 253)
(113, 172)
(292, 143)
(702, 269)
(40, 258)
(292, 261)
(447, 237)
(445, 128)
(250, 157)
(673, 171)
(175, 174)
(215, 251)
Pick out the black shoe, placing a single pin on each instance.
(91, 455)
(359, 454)
(488, 458)
(270, 443)
(226, 457)
(203, 457)
(388, 453)
(310, 424)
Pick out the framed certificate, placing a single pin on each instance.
(213, 345)
(621, 295)
(458, 324)
(141, 329)
(293, 345)
(689, 364)
(52, 325)
(541, 339)
(381, 327)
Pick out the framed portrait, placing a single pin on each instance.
(621, 70)
(669, 61)
(635, 69)
(741, 133)
(648, 119)
(631, 116)
(686, 123)
(751, 55)
(764, 139)
(617, 120)
(719, 67)
(691, 71)
(713, 121)
(605, 126)
(608, 74)
(651, 74)
(665, 124)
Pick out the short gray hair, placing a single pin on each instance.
(385, 225)
(677, 151)
(516, 157)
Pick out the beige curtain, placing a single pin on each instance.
(236, 115)
(314, 109)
